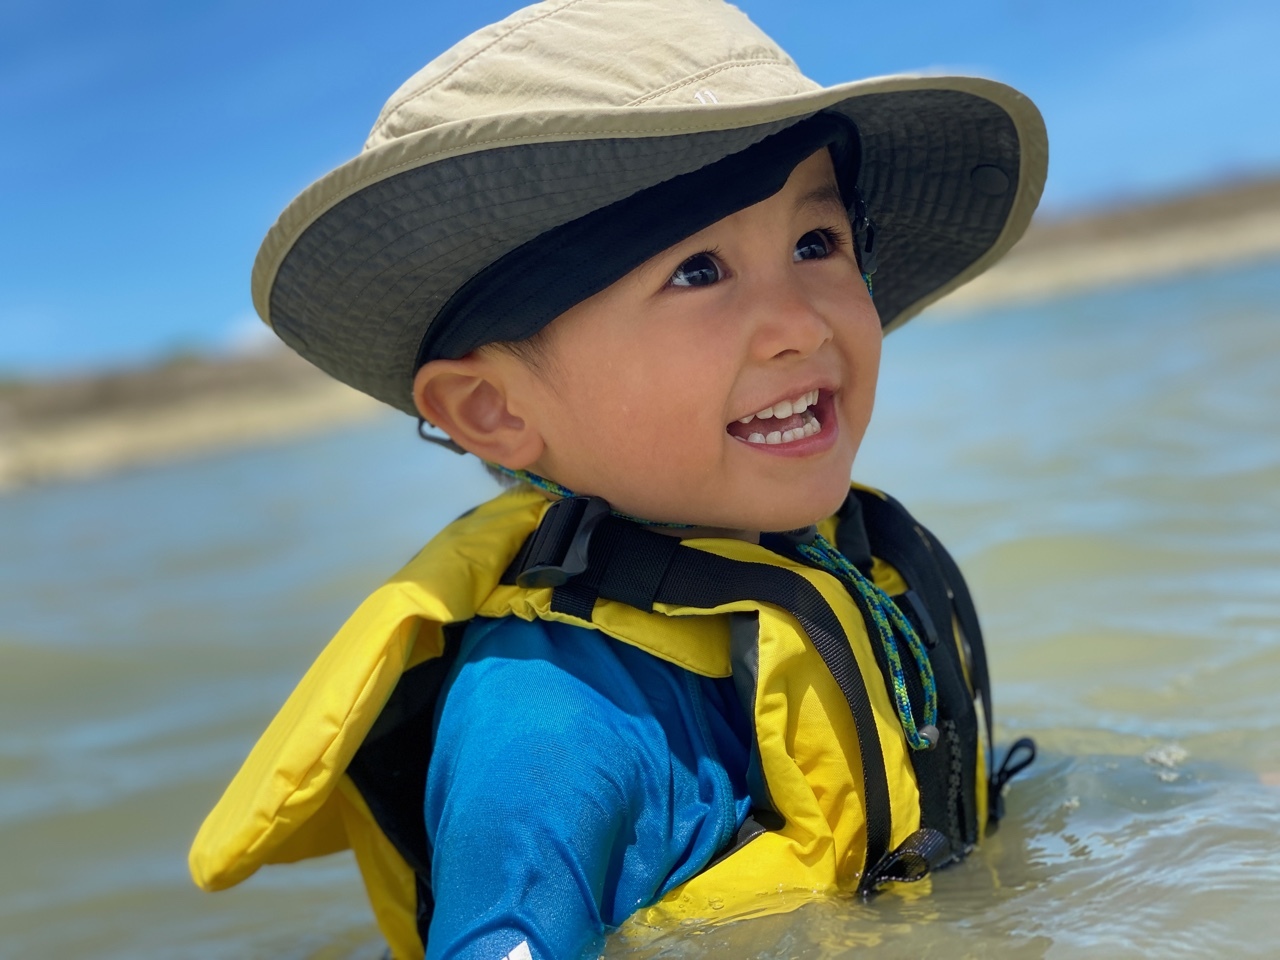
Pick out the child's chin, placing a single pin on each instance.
(801, 511)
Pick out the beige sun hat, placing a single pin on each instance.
(567, 106)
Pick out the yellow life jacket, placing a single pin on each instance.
(840, 801)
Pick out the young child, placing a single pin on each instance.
(625, 253)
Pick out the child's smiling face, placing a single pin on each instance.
(645, 390)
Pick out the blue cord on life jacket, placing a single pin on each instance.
(891, 625)
(889, 620)
(556, 490)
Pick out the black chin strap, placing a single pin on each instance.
(441, 441)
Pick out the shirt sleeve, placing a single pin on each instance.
(538, 780)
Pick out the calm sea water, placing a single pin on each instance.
(1106, 467)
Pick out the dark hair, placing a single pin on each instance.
(531, 351)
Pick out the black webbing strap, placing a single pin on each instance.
(915, 858)
(639, 567)
(947, 775)
(968, 617)
(627, 564)
(962, 602)
(889, 511)
(1022, 753)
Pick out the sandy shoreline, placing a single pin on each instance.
(85, 426)
(1232, 225)
(65, 430)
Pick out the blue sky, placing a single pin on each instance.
(148, 145)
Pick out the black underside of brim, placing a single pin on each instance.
(519, 294)
(359, 288)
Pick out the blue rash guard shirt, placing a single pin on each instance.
(573, 780)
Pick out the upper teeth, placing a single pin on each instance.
(785, 408)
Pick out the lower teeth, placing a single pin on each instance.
(811, 426)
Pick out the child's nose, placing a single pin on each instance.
(787, 322)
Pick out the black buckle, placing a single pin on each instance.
(787, 542)
(557, 551)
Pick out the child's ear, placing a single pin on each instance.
(469, 399)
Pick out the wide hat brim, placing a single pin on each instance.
(357, 266)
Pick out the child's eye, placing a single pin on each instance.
(700, 270)
(814, 245)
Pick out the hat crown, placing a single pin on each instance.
(594, 54)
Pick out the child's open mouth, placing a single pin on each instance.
(786, 422)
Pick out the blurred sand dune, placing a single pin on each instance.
(1229, 225)
(83, 426)
(80, 427)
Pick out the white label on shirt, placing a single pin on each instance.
(520, 953)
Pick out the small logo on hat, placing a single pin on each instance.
(705, 96)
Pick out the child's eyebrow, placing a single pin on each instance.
(826, 196)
